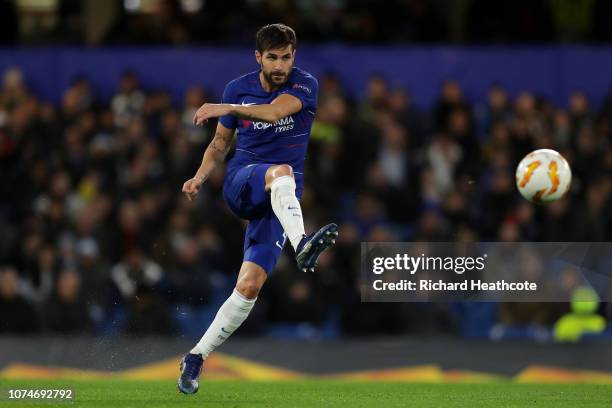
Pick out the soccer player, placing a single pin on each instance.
(272, 110)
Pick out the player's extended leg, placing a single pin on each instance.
(230, 316)
(281, 185)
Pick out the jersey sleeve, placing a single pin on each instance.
(306, 89)
(229, 96)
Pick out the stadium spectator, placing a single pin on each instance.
(139, 284)
(128, 103)
(16, 314)
(67, 311)
(583, 318)
(451, 99)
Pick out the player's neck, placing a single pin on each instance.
(268, 87)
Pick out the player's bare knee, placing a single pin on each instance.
(248, 287)
(250, 281)
(283, 170)
(277, 171)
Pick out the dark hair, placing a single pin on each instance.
(274, 36)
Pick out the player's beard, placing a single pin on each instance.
(274, 83)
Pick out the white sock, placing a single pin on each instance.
(229, 317)
(287, 208)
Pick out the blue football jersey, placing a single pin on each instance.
(284, 141)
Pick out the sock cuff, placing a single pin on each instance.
(282, 181)
(240, 298)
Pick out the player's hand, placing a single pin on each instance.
(209, 110)
(191, 188)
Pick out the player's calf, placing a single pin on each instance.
(230, 316)
(287, 208)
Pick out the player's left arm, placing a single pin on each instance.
(281, 107)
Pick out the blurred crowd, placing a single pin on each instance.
(97, 238)
(354, 21)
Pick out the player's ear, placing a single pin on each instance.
(258, 57)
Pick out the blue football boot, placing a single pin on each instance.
(311, 246)
(191, 368)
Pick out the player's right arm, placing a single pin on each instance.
(214, 155)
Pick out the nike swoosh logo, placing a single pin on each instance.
(247, 104)
(225, 331)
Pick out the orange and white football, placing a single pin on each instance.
(543, 176)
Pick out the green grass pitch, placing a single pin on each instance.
(317, 393)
